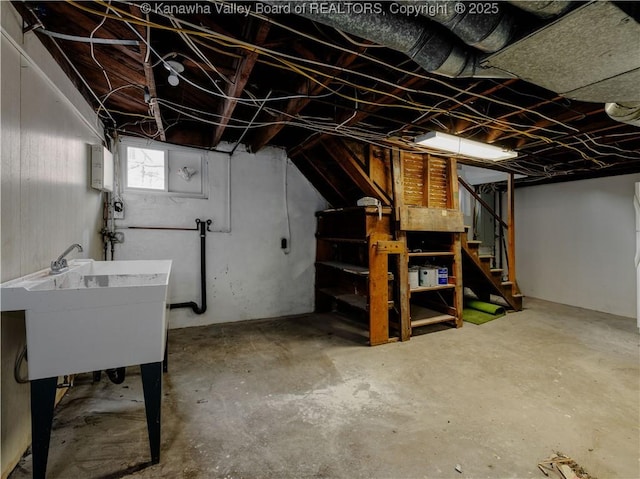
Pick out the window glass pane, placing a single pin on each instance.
(145, 168)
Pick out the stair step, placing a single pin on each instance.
(474, 243)
(517, 295)
(497, 271)
(485, 257)
(507, 283)
(467, 228)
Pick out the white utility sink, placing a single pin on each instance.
(96, 315)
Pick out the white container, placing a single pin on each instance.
(414, 277)
(428, 276)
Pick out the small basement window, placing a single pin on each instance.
(146, 168)
(152, 166)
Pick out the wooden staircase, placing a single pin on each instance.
(483, 279)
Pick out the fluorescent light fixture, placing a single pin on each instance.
(462, 146)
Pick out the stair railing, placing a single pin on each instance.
(507, 225)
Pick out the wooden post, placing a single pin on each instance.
(402, 260)
(457, 273)
(511, 231)
(454, 201)
(426, 181)
(378, 293)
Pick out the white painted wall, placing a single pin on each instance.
(46, 200)
(248, 274)
(575, 243)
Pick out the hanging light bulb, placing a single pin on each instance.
(173, 79)
(174, 68)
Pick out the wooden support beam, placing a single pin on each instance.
(457, 273)
(149, 77)
(348, 118)
(327, 181)
(452, 177)
(390, 247)
(578, 112)
(240, 79)
(511, 231)
(378, 292)
(472, 97)
(355, 170)
(295, 105)
(402, 260)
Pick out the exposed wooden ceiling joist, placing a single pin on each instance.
(234, 90)
(296, 105)
(325, 86)
(149, 76)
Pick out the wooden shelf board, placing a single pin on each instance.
(432, 288)
(342, 240)
(347, 267)
(431, 253)
(354, 300)
(350, 268)
(350, 299)
(386, 210)
(421, 316)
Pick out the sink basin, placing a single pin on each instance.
(96, 315)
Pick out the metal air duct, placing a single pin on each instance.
(543, 9)
(624, 112)
(485, 26)
(433, 50)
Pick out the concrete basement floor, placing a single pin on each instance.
(304, 398)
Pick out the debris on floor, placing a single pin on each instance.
(563, 467)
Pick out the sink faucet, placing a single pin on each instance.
(59, 265)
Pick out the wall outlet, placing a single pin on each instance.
(118, 210)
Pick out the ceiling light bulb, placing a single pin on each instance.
(173, 79)
(174, 66)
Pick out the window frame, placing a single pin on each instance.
(165, 160)
(202, 175)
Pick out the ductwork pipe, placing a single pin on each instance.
(624, 112)
(485, 26)
(429, 48)
(543, 9)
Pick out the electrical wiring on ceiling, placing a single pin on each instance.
(425, 109)
(236, 43)
(104, 72)
(373, 103)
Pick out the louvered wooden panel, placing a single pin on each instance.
(438, 184)
(413, 175)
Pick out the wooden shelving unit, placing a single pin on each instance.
(428, 219)
(441, 303)
(424, 225)
(352, 266)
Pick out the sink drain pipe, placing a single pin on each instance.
(117, 375)
(203, 227)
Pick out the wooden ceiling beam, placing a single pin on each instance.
(496, 133)
(149, 76)
(240, 79)
(355, 170)
(349, 118)
(296, 105)
(326, 183)
(577, 113)
(472, 97)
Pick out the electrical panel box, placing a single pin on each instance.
(101, 168)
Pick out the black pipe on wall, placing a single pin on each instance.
(203, 227)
